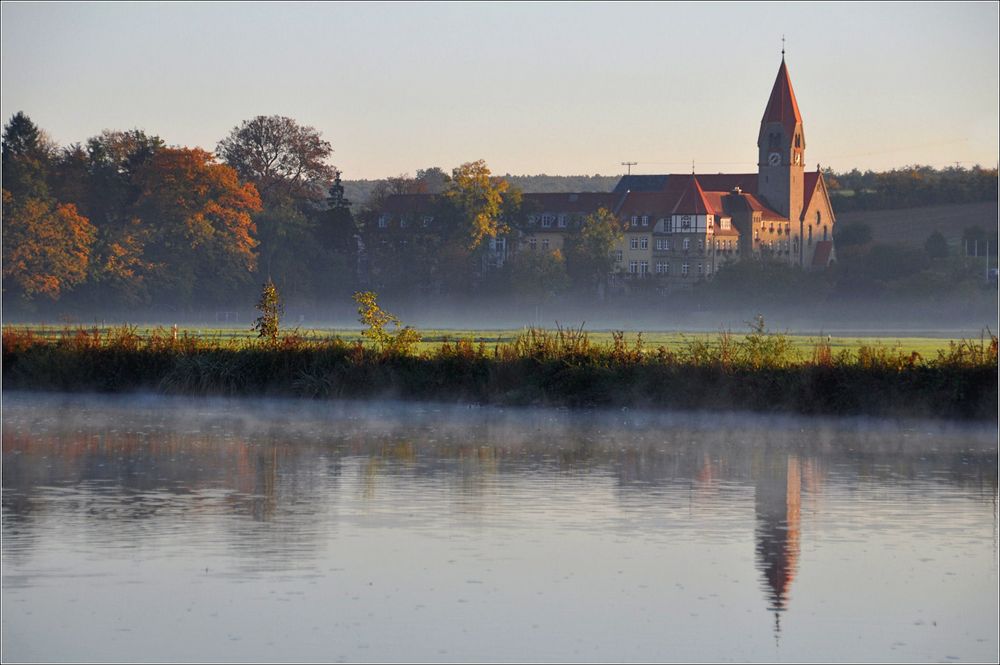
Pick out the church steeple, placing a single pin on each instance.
(781, 145)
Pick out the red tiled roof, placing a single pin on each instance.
(811, 182)
(692, 201)
(821, 257)
(781, 107)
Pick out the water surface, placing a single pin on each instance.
(159, 529)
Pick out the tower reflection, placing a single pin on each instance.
(778, 485)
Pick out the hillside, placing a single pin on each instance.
(912, 226)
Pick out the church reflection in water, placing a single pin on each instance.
(778, 491)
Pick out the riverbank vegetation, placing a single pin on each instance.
(759, 370)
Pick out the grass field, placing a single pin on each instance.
(912, 226)
(803, 345)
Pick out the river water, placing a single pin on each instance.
(162, 529)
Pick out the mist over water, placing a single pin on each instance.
(154, 528)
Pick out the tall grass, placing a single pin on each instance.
(759, 370)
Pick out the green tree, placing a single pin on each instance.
(538, 275)
(271, 310)
(936, 246)
(589, 259)
(27, 157)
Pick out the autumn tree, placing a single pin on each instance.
(46, 247)
(203, 235)
(477, 197)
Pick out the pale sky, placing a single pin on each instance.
(557, 88)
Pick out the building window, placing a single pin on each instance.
(634, 244)
(687, 244)
(701, 244)
(817, 218)
(645, 220)
(532, 244)
(666, 244)
(633, 266)
(562, 221)
(545, 244)
(824, 232)
(643, 267)
(383, 221)
(684, 269)
(644, 243)
(669, 226)
(427, 220)
(635, 220)
(661, 268)
(618, 256)
(685, 222)
(659, 244)
(701, 269)
(810, 235)
(546, 221)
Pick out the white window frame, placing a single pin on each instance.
(644, 243)
(633, 267)
(634, 243)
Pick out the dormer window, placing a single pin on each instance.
(562, 221)
(383, 221)
(547, 221)
(645, 220)
(635, 220)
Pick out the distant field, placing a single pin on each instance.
(912, 226)
(803, 344)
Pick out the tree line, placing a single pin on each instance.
(124, 221)
(910, 187)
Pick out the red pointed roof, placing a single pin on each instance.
(811, 181)
(781, 107)
(692, 201)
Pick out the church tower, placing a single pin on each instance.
(781, 147)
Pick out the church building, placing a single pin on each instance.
(680, 228)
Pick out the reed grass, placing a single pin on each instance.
(760, 370)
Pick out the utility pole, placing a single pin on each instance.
(629, 165)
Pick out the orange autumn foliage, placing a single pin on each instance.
(201, 214)
(46, 246)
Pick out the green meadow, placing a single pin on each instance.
(801, 344)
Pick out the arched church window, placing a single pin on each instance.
(797, 141)
(817, 218)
